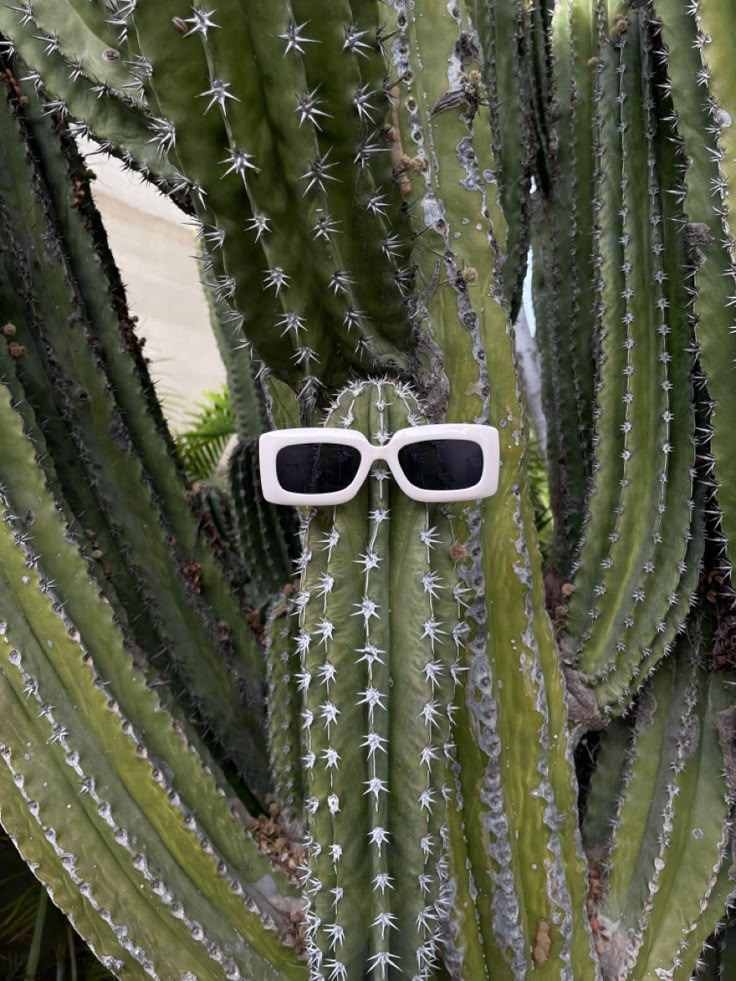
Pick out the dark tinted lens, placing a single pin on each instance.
(442, 464)
(316, 468)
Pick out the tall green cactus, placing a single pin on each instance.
(635, 543)
(377, 678)
(378, 780)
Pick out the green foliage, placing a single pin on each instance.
(539, 489)
(209, 429)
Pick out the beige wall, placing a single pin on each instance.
(154, 248)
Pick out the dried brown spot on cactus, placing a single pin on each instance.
(542, 943)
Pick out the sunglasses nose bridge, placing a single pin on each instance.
(384, 454)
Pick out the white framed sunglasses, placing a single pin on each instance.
(322, 465)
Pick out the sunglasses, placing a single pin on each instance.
(321, 465)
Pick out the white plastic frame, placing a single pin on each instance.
(486, 437)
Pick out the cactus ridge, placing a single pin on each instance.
(608, 441)
(560, 398)
(374, 246)
(40, 855)
(565, 392)
(584, 41)
(635, 853)
(616, 692)
(244, 384)
(462, 139)
(107, 800)
(134, 393)
(702, 115)
(712, 22)
(612, 759)
(627, 336)
(505, 36)
(284, 705)
(143, 696)
(567, 301)
(226, 224)
(514, 909)
(305, 284)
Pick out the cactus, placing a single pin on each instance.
(672, 766)
(630, 561)
(366, 765)
(563, 233)
(377, 679)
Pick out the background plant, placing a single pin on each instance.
(184, 728)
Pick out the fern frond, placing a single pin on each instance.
(211, 427)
